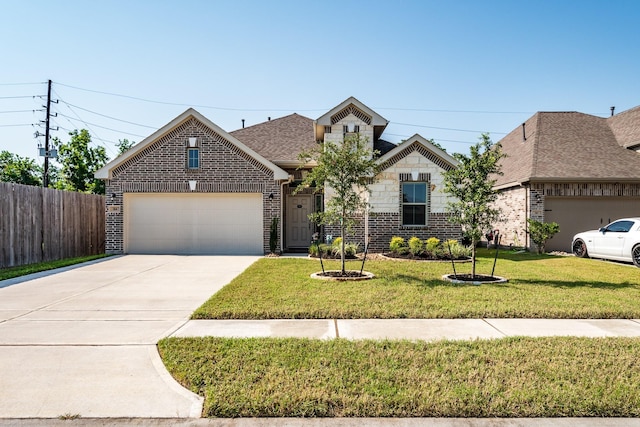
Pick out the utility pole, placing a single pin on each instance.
(46, 152)
(45, 178)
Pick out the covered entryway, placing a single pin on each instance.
(298, 226)
(587, 213)
(193, 223)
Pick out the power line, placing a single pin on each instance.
(18, 97)
(435, 139)
(18, 124)
(100, 126)
(429, 110)
(17, 111)
(181, 104)
(23, 84)
(108, 117)
(449, 129)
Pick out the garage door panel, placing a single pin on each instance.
(212, 223)
(580, 214)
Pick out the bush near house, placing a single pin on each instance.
(430, 249)
(334, 250)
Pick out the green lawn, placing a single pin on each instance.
(511, 377)
(540, 286)
(23, 270)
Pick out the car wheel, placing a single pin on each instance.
(580, 249)
(635, 255)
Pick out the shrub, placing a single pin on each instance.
(540, 232)
(398, 245)
(350, 250)
(273, 235)
(432, 246)
(416, 246)
(315, 248)
(337, 242)
(458, 250)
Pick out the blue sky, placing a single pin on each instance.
(445, 69)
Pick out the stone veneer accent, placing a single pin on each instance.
(512, 204)
(162, 168)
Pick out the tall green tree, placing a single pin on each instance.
(21, 170)
(124, 145)
(78, 162)
(344, 171)
(471, 187)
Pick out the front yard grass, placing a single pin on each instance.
(23, 270)
(540, 286)
(510, 377)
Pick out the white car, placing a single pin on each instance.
(618, 241)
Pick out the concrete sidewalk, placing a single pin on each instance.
(413, 329)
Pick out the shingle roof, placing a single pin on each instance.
(565, 146)
(626, 127)
(279, 140)
(383, 146)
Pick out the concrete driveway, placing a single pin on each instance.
(82, 341)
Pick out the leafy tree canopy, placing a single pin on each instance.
(21, 170)
(78, 163)
(124, 145)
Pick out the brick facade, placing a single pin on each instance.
(384, 226)
(161, 168)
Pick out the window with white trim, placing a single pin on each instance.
(414, 203)
(193, 158)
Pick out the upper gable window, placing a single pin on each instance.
(193, 158)
(350, 128)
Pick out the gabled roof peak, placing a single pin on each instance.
(190, 113)
(353, 106)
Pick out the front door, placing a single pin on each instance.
(298, 226)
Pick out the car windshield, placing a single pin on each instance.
(620, 226)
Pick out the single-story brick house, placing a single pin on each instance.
(576, 169)
(193, 188)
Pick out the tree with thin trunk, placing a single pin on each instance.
(471, 187)
(344, 170)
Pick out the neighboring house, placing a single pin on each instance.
(192, 187)
(575, 169)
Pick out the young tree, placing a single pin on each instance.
(471, 188)
(21, 170)
(78, 163)
(345, 170)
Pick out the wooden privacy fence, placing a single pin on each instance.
(41, 224)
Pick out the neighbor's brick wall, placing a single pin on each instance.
(513, 204)
(161, 168)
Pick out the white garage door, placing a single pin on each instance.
(212, 223)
